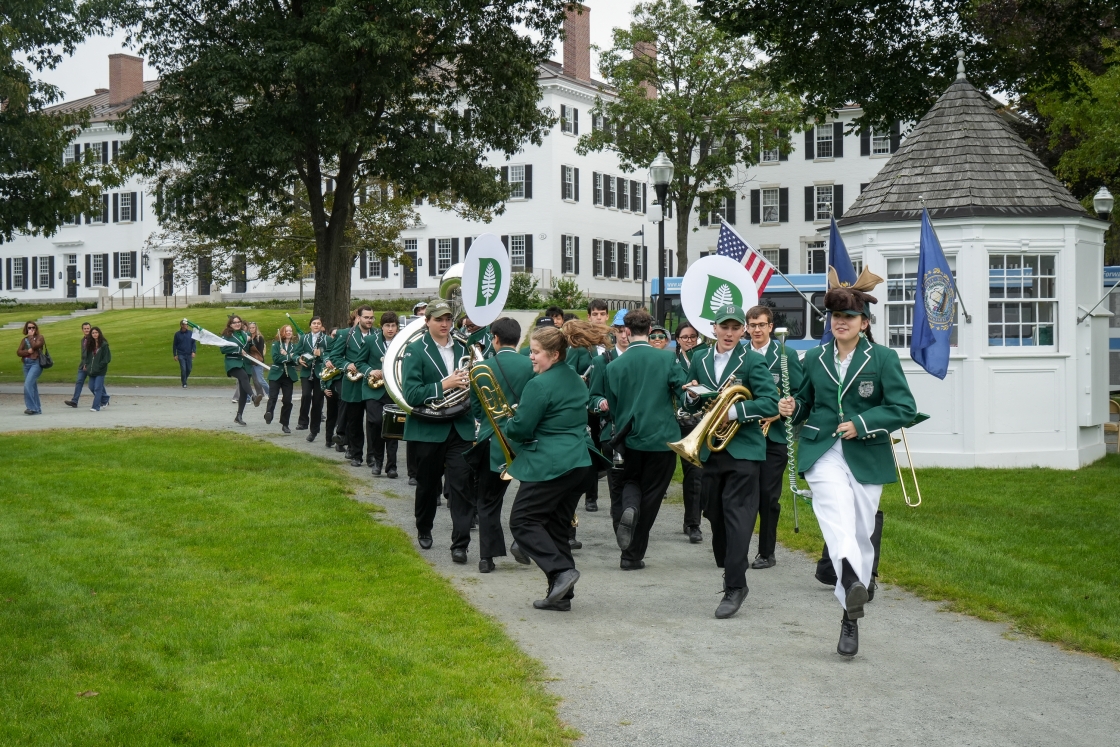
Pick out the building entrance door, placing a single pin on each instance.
(409, 270)
(169, 277)
(71, 281)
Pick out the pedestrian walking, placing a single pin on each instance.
(83, 375)
(30, 349)
(97, 358)
(183, 348)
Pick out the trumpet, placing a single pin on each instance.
(713, 430)
(495, 405)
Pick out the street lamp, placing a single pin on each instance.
(1103, 202)
(661, 173)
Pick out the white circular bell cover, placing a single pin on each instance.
(712, 282)
(486, 277)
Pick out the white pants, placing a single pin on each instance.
(845, 509)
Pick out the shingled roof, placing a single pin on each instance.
(966, 161)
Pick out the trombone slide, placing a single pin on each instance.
(913, 472)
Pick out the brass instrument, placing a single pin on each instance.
(374, 382)
(913, 473)
(307, 360)
(354, 376)
(713, 430)
(495, 405)
(329, 372)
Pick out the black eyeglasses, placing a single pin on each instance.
(687, 337)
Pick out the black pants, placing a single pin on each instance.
(311, 404)
(824, 565)
(693, 480)
(541, 517)
(244, 388)
(731, 489)
(435, 461)
(282, 385)
(591, 480)
(333, 408)
(770, 496)
(645, 478)
(379, 449)
(410, 460)
(491, 493)
(341, 423)
(359, 432)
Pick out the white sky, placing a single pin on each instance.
(88, 69)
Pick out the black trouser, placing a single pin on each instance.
(379, 449)
(541, 517)
(358, 428)
(645, 477)
(282, 384)
(591, 480)
(310, 404)
(244, 388)
(731, 490)
(410, 460)
(341, 422)
(334, 403)
(824, 565)
(770, 496)
(491, 494)
(693, 480)
(437, 460)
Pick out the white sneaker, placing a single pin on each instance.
(93, 410)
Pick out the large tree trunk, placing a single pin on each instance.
(332, 279)
(684, 214)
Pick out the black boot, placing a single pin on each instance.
(376, 468)
(573, 543)
(849, 637)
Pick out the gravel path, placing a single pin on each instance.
(640, 660)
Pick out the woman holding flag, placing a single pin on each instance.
(238, 365)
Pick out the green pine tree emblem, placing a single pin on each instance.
(719, 293)
(489, 281)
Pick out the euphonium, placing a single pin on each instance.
(713, 430)
(495, 405)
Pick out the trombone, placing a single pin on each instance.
(910, 460)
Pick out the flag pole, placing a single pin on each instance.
(796, 290)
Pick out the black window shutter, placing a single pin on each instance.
(467, 241)
(455, 251)
(729, 208)
(896, 135)
(50, 268)
(837, 139)
(35, 272)
(104, 208)
(863, 186)
(838, 200)
(104, 153)
(132, 264)
(595, 194)
(783, 153)
(783, 205)
(136, 206)
(563, 183)
(810, 143)
(505, 243)
(8, 270)
(363, 264)
(643, 197)
(575, 254)
(116, 150)
(756, 206)
(865, 142)
(563, 116)
(89, 269)
(105, 264)
(505, 175)
(575, 184)
(703, 211)
(432, 257)
(810, 204)
(575, 121)
(116, 207)
(89, 219)
(528, 252)
(528, 182)
(635, 197)
(783, 260)
(116, 265)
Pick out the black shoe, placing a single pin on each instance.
(71, 403)
(695, 536)
(631, 565)
(761, 562)
(574, 543)
(376, 468)
(625, 532)
(329, 445)
(486, 565)
(474, 522)
(311, 437)
(849, 637)
(391, 473)
(732, 601)
(591, 505)
(425, 541)
(871, 589)
(268, 417)
(340, 448)
(854, 600)
(828, 579)
(356, 462)
(562, 584)
(239, 421)
(337, 440)
(458, 555)
(285, 429)
(301, 427)
(518, 554)
(560, 605)
(412, 481)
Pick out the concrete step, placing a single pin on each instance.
(54, 318)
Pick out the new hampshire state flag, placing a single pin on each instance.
(933, 305)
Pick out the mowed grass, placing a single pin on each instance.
(213, 590)
(1037, 548)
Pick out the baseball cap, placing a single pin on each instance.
(545, 321)
(437, 309)
(418, 307)
(619, 318)
(730, 312)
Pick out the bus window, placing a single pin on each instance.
(789, 312)
(816, 325)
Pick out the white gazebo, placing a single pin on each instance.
(1028, 377)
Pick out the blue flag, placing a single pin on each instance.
(934, 302)
(839, 260)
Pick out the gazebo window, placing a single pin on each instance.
(1022, 300)
(902, 285)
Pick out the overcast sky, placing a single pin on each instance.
(88, 69)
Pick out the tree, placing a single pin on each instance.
(684, 87)
(255, 96)
(39, 189)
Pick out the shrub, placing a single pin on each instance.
(566, 294)
(523, 293)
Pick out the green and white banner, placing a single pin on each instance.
(486, 276)
(713, 282)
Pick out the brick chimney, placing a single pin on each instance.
(647, 49)
(126, 77)
(577, 41)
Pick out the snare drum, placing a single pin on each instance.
(392, 422)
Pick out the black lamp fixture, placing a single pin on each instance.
(661, 174)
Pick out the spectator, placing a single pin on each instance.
(29, 348)
(183, 349)
(97, 363)
(83, 375)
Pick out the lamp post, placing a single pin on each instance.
(642, 232)
(1103, 202)
(661, 173)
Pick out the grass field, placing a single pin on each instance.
(1033, 547)
(166, 587)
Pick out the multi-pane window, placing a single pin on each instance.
(772, 256)
(824, 141)
(816, 258)
(1022, 299)
(568, 254)
(124, 261)
(902, 285)
(97, 270)
(516, 182)
(568, 182)
(71, 154)
(623, 252)
(375, 265)
(623, 194)
(443, 254)
(569, 120)
(19, 282)
(880, 143)
(410, 245)
(126, 207)
(772, 154)
(823, 202)
(612, 260)
(612, 194)
(770, 205)
(43, 270)
(597, 188)
(639, 265)
(516, 252)
(597, 256)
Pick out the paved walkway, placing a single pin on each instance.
(640, 660)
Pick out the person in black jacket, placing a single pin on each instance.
(183, 348)
(83, 374)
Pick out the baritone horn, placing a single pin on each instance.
(495, 405)
(713, 430)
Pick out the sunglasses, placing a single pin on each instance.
(658, 337)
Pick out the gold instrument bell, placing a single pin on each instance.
(714, 430)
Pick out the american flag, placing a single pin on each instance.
(731, 244)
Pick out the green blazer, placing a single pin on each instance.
(485, 340)
(97, 364)
(512, 372)
(640, 386)
(307, 346)
(578, 359)
(354, 347)
(421, 374)
(597, 379)
(777, 432)
(376, 359)
(550, 426)
(750, 369)
(875, 398)
(285, 362)
(238, 341)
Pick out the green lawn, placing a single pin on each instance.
(1034, 547)
(164, 587)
